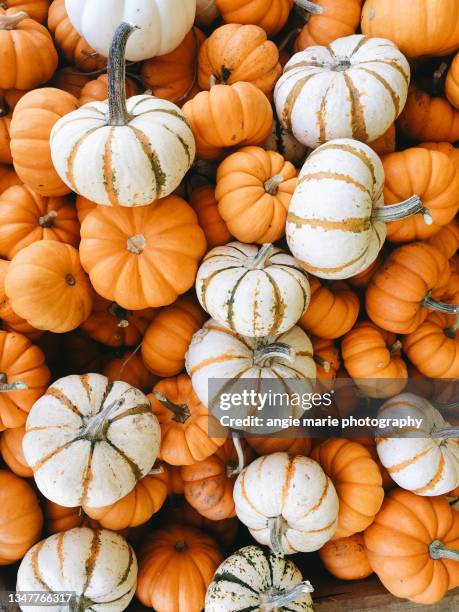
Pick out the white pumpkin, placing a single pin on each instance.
(123, 153)
(336, 220)
(98, 565)
(163, 24)
(354, 88)
(254, 291)
(88, 440)
(427, 465)
(252, 578)
(288, 503)
(283, 142)
(206, 12)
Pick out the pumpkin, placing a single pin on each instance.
(72, 46)
(33, 118)
(216, 352)
(413, 546)
(362, 279)
(11, 321)
(184, 422)
(254, 189)
(83, 207)
(328, 362)
(346, 558)
(165, 551)
(371, 355)
(107, 440)
(131, 369)
(299, 510)
(444, 147)
(175, 481)
(206, 12)
(152, 253)
(42, 271)
(357, 481)
(248, 123)
(114, 326)
(338, 241)
(337, 19)
(36, 9)
(385, 144)
(332, 311)
(433, 347)
(161, 27)
(208, 484)
(59, 518)
(98, 565)
(446, 239)
(206, 208)
(428, 465)
(370, 445)
(11, 452)
(70, 80)
(237, 52)
(452, 84)
(254, 291)
(8, 178)
(285, 144)
(5, 138)
(271, 15)
(145, 145)
(429, 28)
(267, 445)
(174, 76)
(355, 88)
(252, 579)
(398, 297)
(97, 90)
(21, 518)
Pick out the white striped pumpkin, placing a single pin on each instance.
(425, 465)
(89, 440)
(98, 565)
(254, 291)
(253, 577)
(354, 88)
(288, 503)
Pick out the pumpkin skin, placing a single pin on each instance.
(285, 144)
(131, 369)
(443, 147)
(427, 466)
(59, 518)
(69, 80)
(371, 69)
(5, 138)
(385, 144)
(332, 311)
(357, 481)
(11, 321)
(97, 90)
(184, 422)
(452, 84)
(254, 189)
(362, 279)
(346, 558)
(83, 207)
(271, 15)
(33, 118)
(11, 452)
(398, 546)
(267, 445)
(165, 550)
(245, 581)
(206, 208)
(255, 292)
(76, 468)
(21, 518)
(328, 362)
(237, 52)
(206, 12)
(159, 245)
(95, 563)
(338, 19)
(8, 178)
(446, 239)
(174, 76)
(248, 123)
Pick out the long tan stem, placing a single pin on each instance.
(277, 601)
(309, 6)
(404, 209)
(9, 22)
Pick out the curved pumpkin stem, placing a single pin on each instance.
(276, 601)
(437, 550)
(445, 433)
(181, 411)
(429, 302)
(259, 261)
(323, 363)
(9, 22)
(276, 349)
(404, 209)
(117, 111)
(276, 530)
(272, 184)
(95, 427)
(315, 9)
(5, 387)
(395, 347)
(235, 471)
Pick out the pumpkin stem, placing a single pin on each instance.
(276, 528)
(181, 546)
(9, 22)
(404, 209)
(270, 602)
(395, 347)
(437, 550)
(212, 81)
(315, 9)
(15, 386)
(438, 78)
(94, 428)
(117, 111)
(272, 184)
(452, 330)
(136, 244)
(276, 349)
(259, 261)
(445, 432)
(120, 313)
(48, 219)
(181, 411)
(323, 363)
(155, 470)
(429, 302)
(236, 470)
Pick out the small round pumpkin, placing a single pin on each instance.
(12, 454)
(12, 321)
(337, 19)
(271, 15)
(131, 369)
(96, 90)
(346, 558)
(205, 206)
(70, 80)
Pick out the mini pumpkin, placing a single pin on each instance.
(131, 369)
(12, 454)
(70, 80)
(328, 362)
(446, 239)
(346, 558)
(5, 138)
(452, 82)
(11, 321)
(96, 90)
(362, 279)
(59, 518)
(271, 15)
(267, 445)
(335, 20)
(206, 208)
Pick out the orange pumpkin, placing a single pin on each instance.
(184, 422)
(206, 208)
(144, 256)
(83, 207)
(175, 480)
(444, 147)
(24, 377)
(33, 119)
(385, 144)
(97, 90)
(446, 239)
(131, 369)
(346, 558)
(174, 76)
(357, 482)
(254, 189)
(8, 178)
(59, 518)
(248, 119)
(36, 9)
(11, 321)
(327, 359)
(405, 546)
(267, 445)
(362, 280)
(21, 519)
(176, 565)
(70, 80)
(370, 445)
(5, 138)
(337, 20)
(332, 311)
(11, 452)
(452, 82)
(48, 287)
(271, 15)
(168, 336)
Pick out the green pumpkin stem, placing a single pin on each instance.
(117, 111)
(437, 550)
(429, 302)
(407, 208)
(276, 349)
(259, 261)
(277, 601)
(272, 184)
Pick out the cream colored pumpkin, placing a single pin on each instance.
(254, 291)
(206, 12)
(123, 153)
(98, 565)
(88, 440)
(288, 503)
(336, 219)
(163, 24)
(283, 142)
(354, 88)
(252, 578)
(425, 465)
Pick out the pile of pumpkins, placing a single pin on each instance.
(194, 190)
